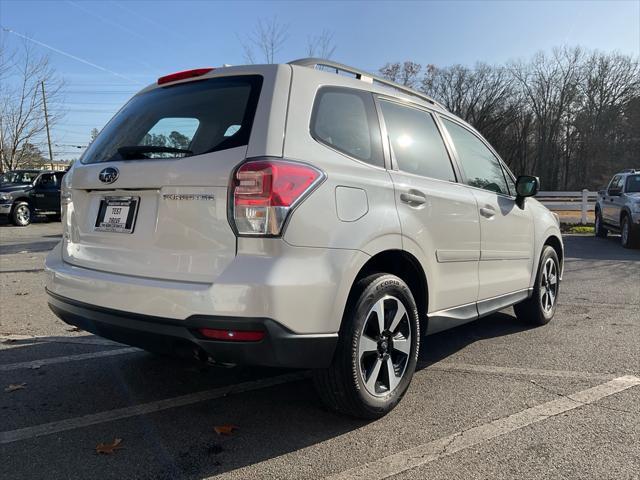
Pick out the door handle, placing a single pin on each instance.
(487, 212)
(413, 198)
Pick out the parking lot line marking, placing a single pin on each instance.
(67, 358)
(145, 408)
(517, 371)
(446, 446)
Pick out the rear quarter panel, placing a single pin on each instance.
(328, 218)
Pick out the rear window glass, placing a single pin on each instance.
(180, 120)
(346, 120)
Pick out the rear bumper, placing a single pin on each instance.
(302, 289)
(279, 348)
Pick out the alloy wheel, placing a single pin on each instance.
(384, 346)
(23, 214)
(548, 285)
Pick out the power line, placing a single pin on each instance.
(69, 145)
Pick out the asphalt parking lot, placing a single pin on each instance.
(492, 399)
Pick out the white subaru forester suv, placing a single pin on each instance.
(302, 215)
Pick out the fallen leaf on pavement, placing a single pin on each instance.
(15, 386)
(74, 329)
(225, 429)
(22, 293)
(109, 448)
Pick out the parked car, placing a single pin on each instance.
(283, 215)
(27, 193)
(618, 208)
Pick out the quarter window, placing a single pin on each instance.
(345, 119)
(480, 166)
(416, 142)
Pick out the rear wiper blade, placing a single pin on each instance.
(131, 151)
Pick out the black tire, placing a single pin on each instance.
(341, 386)
(629, 236)
(535, 310)
(21, 214)
(600, 231)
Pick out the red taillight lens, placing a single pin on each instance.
(264, 192)
(174, 77)
(233, 335)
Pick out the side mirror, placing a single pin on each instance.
(526, 186)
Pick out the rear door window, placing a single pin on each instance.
(345, 119)
(47, 181)
(180, 120)
(416, 142)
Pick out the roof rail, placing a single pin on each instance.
(364, 76)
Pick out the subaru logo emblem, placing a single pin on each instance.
(108, 175)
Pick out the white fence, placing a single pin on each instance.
(583, 202)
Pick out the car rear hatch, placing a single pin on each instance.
(149, 197)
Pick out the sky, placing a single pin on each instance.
(107, 50)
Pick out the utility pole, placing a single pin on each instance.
(46, 122)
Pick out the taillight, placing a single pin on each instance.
(265, 191)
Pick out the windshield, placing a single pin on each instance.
(633, 183)
(180, 120)
(18, 178)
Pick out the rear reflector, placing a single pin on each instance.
(233, 335)
(174, 77)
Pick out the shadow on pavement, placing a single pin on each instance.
(593, 248)
(31, 247)
(273, 421)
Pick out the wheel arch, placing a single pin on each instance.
(554, 242)
(625, 212)
(403, 265)
(21, 199)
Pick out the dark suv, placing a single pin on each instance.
(25, 193)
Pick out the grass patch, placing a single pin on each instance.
(577, 229)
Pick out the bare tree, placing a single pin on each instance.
(483, 95)
(391, 71)
(22, 119)
(569, 116)
(405, 73)
(321, 46)
(610, 83)
(551, 87)
(265, 41)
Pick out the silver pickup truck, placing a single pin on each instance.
(618, 208)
